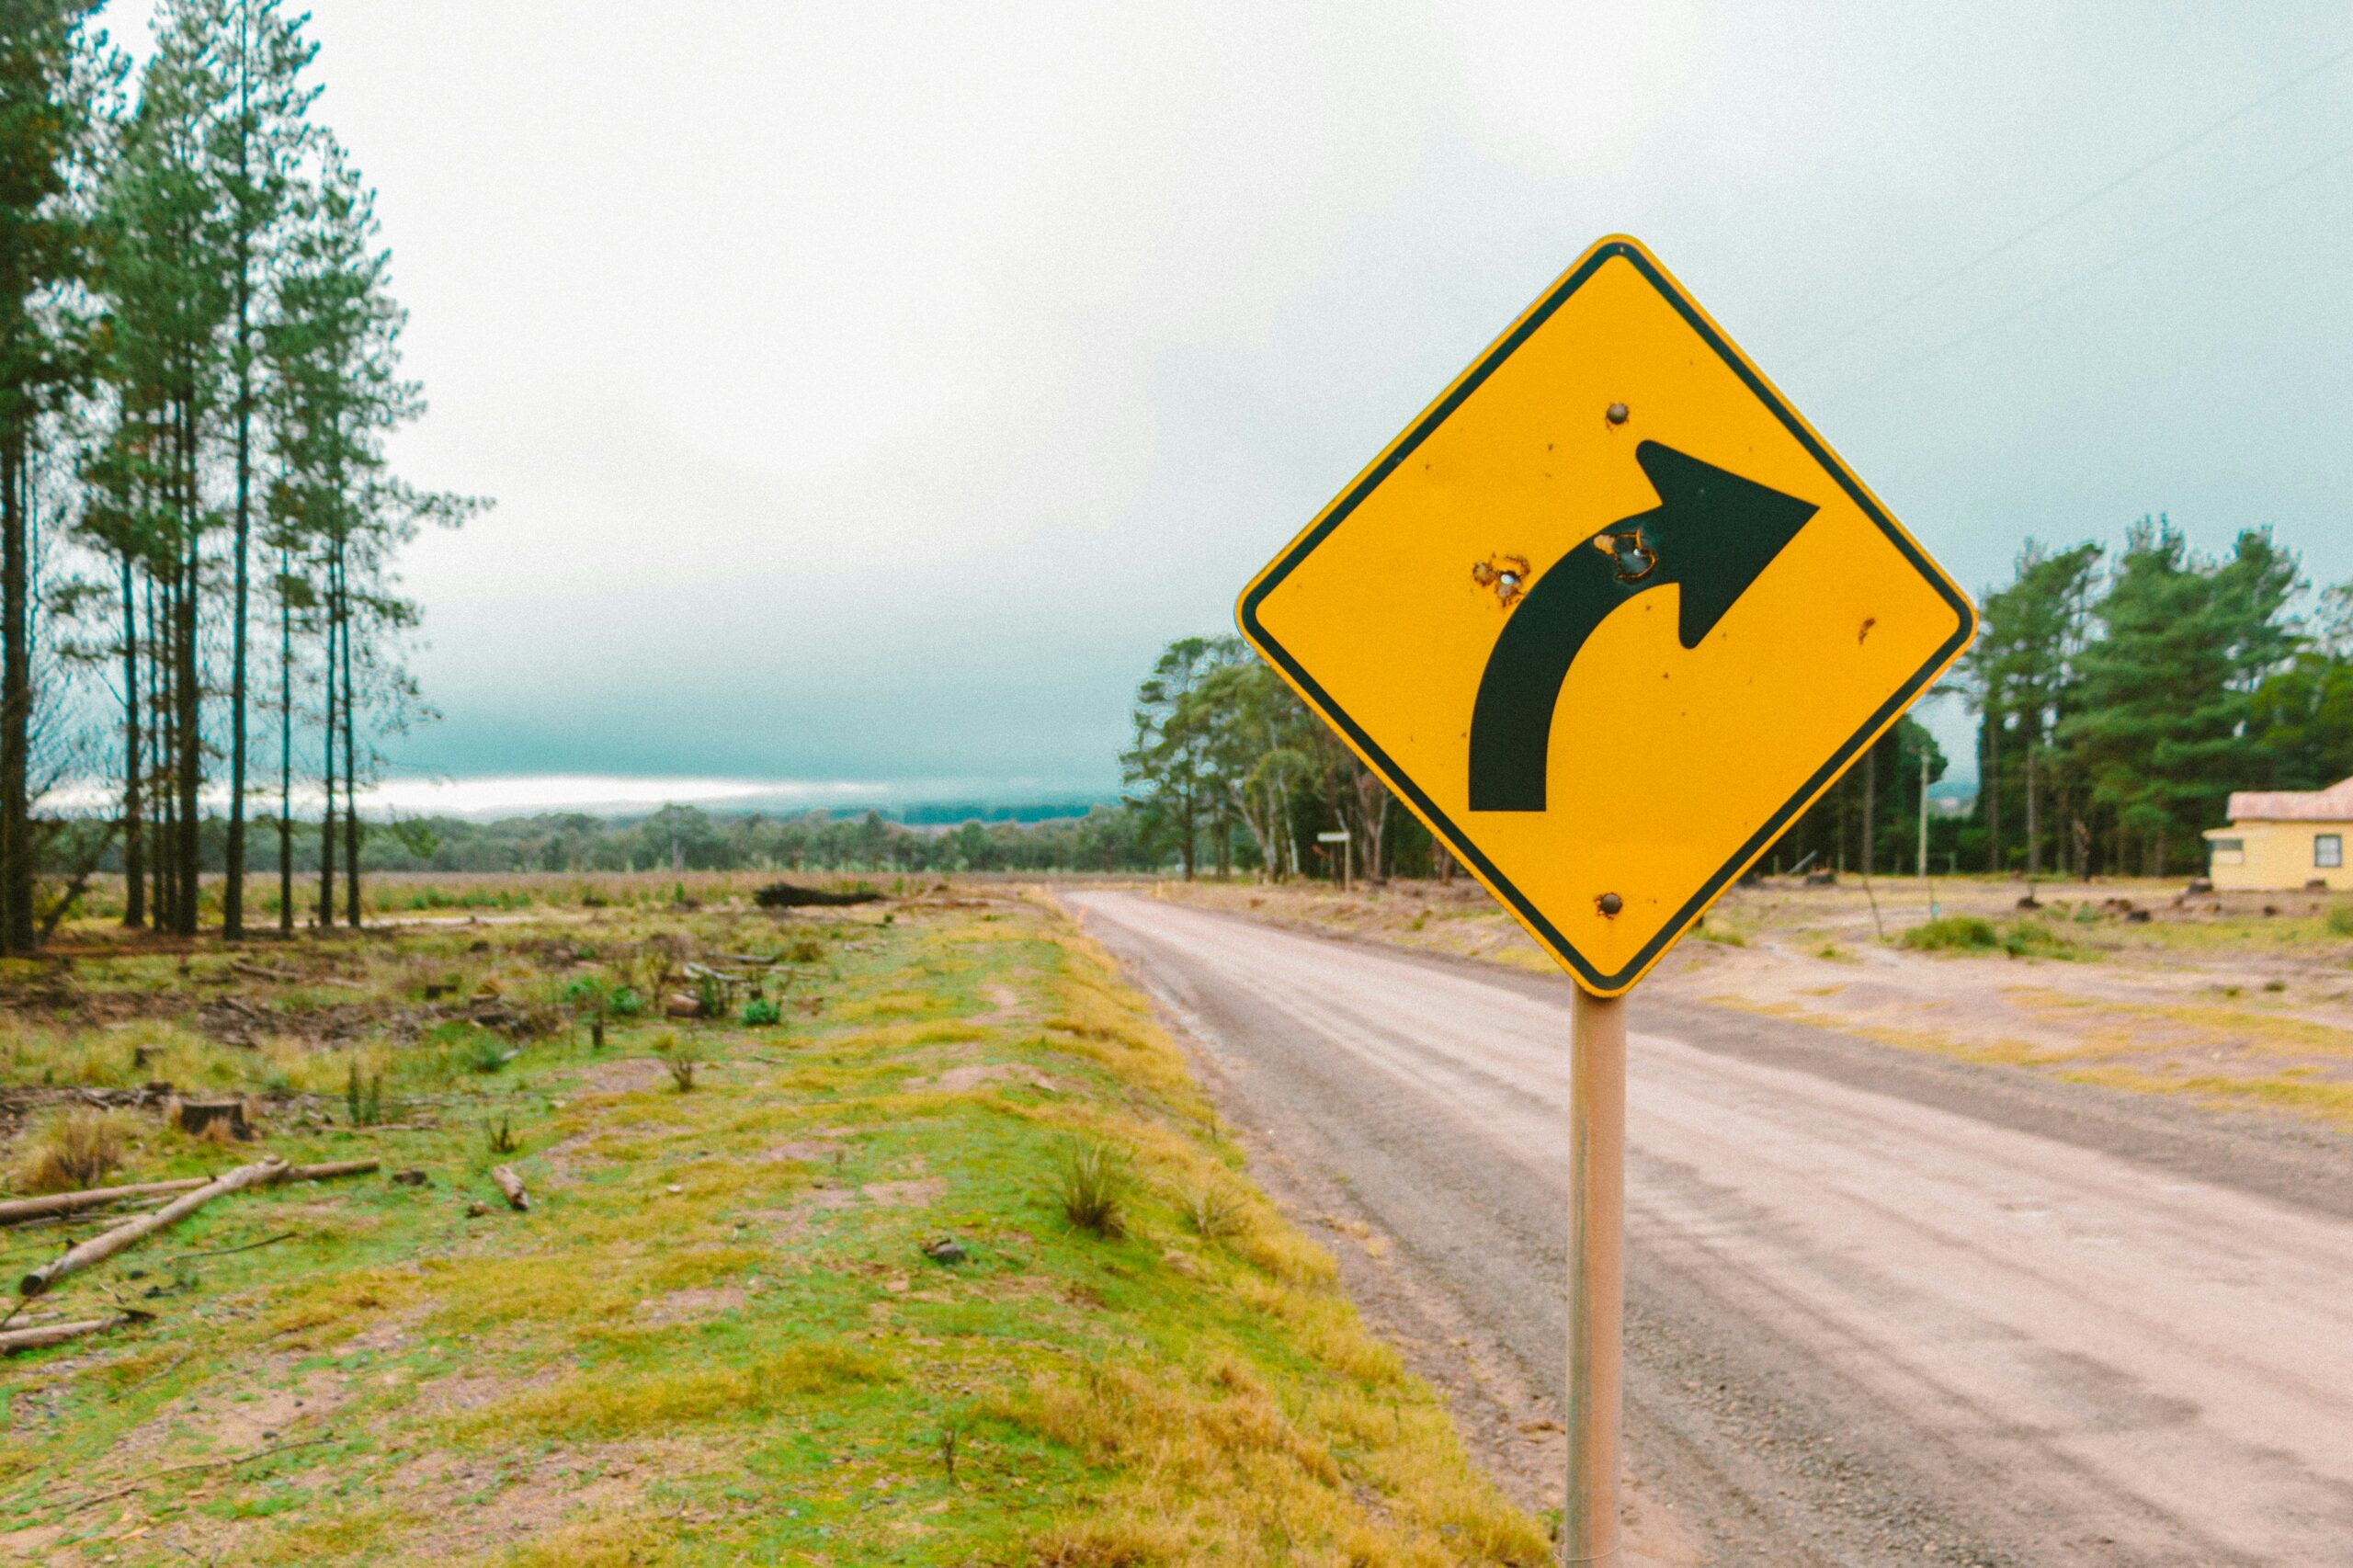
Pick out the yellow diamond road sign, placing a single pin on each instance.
(1609, 616)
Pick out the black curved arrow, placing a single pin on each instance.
(1710, 534)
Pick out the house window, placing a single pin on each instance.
(2230, 851)
(2328, 850)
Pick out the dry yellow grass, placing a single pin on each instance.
(66, 1150)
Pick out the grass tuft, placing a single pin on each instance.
(1094, 1185)
(1213, 1210)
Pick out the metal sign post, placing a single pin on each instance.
(1608, 618)
(1347, 852)
(1589, 1529)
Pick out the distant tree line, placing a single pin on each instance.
(685, 838)
(199, 368)
(1228, 771)
(2120, 699)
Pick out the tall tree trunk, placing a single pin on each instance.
(1991, 788)
(134, 869)
(1186, 832)
(2033, 818)
(15, 702)
(326, 783)
(233, 890)
(190, 730)
(285, 747)
(159, 725)
(350, 756)
(189, 691)
(1870, 804)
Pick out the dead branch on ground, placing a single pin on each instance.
(98, 1248)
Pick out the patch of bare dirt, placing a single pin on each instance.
(270, 1406)
(975, 1074)
(904, 1194)
(793, 1220)
(446, 1492)
(689, 1306)
(819, 1148)
(461, 1391)
(626, 1076)
(389, 1333)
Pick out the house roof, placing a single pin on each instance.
(2331, 804)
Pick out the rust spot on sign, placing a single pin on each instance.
(1506, 575)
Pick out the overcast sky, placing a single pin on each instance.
(869, 390)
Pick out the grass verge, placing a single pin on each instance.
(835, 1305)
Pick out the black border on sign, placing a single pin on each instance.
(1965, 617)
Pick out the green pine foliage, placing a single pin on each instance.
(2122, 701)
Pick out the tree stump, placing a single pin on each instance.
(194, 1117)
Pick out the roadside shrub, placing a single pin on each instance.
(1963, 933)
(1972, 934)
(590, 993)
(1094, 1185)
(626, 1004)
(2033, 939)
(67, 1151)
(759, 1012)
(2340, 920)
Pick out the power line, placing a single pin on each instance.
(2072, 208)
(2081, 279)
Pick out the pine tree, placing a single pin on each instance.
(2301, 715)
(2161, 731)
(169, 299)
(256, 62)
(2022, 671)
(332, 351)
(1166, 768)
(54, 72)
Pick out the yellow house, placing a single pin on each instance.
(2284, 839)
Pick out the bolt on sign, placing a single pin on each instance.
(1609, 616)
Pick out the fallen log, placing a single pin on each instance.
(18, 1209)
(517, 1197)
(106, 1244)
(785, 895)
(256, 971)
(48, 1334)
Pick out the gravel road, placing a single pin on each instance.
(1883, 1308)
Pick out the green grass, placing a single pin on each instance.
(715, 1338)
